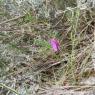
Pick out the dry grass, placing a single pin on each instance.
(27, 60)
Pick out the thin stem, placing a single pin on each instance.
(9, 88)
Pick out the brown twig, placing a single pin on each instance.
(46, 66)
(11, 19)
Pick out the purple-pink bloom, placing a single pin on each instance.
(55, 44)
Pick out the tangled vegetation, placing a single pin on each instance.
(32, 65)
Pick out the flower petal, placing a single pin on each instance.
(55, 44)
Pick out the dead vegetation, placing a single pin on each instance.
(28, 66)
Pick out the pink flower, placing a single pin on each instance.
(55, 44)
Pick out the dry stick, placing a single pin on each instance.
(11, 19)
(73, 88)
(8, 29)
(84, 88)
(76, 86)
(12, 90)
(49, 65)
(79, 86)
